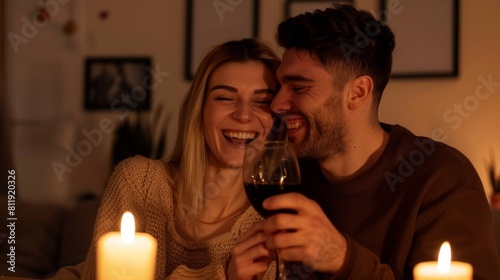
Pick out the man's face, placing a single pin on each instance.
(311, 108)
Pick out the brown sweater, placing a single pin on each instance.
(143, 187)
(419, 194)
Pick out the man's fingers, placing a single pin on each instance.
(282, 222)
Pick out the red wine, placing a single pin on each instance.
(257, 193)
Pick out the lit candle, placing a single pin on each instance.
(444, 268)
(126, 254)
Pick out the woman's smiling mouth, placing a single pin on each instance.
(239, 137)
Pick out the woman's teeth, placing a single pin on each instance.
(240, 137)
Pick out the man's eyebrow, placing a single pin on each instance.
(297, 78)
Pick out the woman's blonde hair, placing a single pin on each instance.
(189, 156)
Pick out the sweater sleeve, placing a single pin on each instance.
(122, 194)
(360, 264)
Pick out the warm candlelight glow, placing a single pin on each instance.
(127, 228)
(444, 259)
(126, 254)
(443, 268)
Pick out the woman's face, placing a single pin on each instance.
(237, 110)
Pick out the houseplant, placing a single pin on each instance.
(140, 134)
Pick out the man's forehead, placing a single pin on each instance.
(297, 61)
(294, 54)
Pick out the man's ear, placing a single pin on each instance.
(360, 91)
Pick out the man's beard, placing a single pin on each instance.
(326, 138)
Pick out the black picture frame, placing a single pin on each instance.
(427, 36)
(213, 22)
(118, 83)
(296, 7)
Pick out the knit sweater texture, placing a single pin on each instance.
(144, 187)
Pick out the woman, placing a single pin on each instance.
(195, 204)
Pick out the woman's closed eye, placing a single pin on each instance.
(225, 98)
(264, 102)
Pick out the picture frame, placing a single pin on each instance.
(296, 7)
(212, 22)
(118, 83)
(427, 36)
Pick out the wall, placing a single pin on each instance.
(45, 80)
(45, 83)
(434, 104)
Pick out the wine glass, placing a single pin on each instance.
(270, 168)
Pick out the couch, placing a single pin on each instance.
(47, 237)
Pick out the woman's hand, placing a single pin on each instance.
(250, 256)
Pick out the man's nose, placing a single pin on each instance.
(281, 102)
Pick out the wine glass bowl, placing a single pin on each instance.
(270, 168)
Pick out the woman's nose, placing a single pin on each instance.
(243, 113)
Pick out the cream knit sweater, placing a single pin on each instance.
(143, 187)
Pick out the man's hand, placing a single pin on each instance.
(308, 236)
(250, 256)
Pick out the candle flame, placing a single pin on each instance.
(444, 259)
(127, 228)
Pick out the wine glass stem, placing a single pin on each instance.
(280, 267)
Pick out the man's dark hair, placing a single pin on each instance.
(346, 41)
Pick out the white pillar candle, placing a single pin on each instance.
(444, 268)
(126, 254)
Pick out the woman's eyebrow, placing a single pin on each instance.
(226, 87)
(233, 89)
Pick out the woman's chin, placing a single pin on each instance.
(234, 164)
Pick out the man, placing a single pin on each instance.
(376, 199)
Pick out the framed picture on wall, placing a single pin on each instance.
(212, 22)
(426, 37)
(296, 7)
(117, 83)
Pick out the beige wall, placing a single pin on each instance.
(426, 105)
(45, 83)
